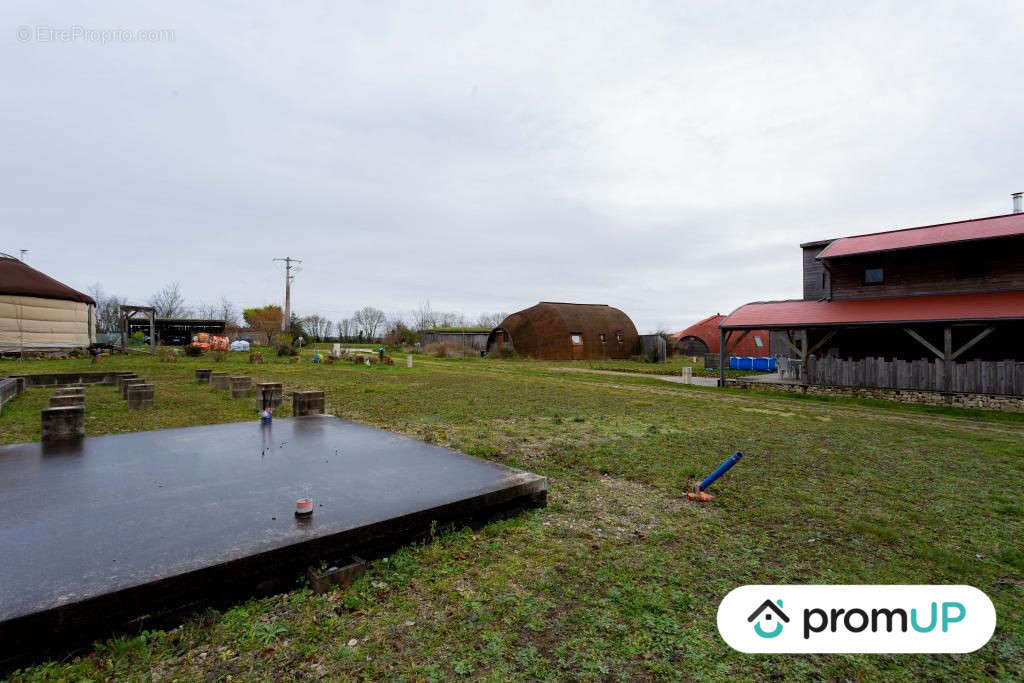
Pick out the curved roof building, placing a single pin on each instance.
(563, 331)
(38, 312)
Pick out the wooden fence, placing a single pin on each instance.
(970, 377)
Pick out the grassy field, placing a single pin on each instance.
(619, 577)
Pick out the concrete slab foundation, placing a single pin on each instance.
(203, 375)
(124, 532)
(220, 380)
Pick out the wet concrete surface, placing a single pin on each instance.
(96, 533)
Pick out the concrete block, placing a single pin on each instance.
(220, 380)
(203, 375)
(140, 396)
(73, 400)
(271, 395)
(307, 403)
(63, 423)
(69, 391)
(127, 384)
(121, 379)
(241, 386)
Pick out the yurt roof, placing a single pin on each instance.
(19, 279)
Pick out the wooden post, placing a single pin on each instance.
(947, 360)
(152, 331)
(723, 339)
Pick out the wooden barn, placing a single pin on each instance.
(935, 308)
(563, 331)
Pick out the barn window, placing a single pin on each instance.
(618, 337)
(577, 339)
(602, 337)
(757, 341)
(874, 276)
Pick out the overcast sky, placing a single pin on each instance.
(664, 158)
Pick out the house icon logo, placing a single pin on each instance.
(768, 612)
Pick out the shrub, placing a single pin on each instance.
(193, 351)
(505, 352)
(167, 355)
(218, 355)
(255, 357)
(450, 350)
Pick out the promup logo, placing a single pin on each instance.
(857, 619)
(766, 609)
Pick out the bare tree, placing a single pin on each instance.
(424, 318)
(370, 320)
(228, 312)
(345, 328)
(318, 326)
(205, 311)
(108, 309)
(491, 320)
(169, 302)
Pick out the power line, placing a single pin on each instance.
(288, 277)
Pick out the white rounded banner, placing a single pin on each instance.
(864, 618)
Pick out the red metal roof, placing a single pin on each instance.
(904, 309)
(961, 231)
(707, 331)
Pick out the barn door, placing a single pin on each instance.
(576, 343)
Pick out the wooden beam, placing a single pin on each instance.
(924, 342)
(723, 339)
(977, 338)
(789, 342)
(947, 359)
(736, 341)
(821, 342)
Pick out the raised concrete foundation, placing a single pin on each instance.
(63, 423)
(240, 386)
(138, 530)
(220, 380)
(307, 403)
(140, 396)
(203, 375)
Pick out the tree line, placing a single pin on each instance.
(366, 324)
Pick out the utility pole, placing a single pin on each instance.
(288, 277)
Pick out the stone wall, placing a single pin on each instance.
(981, 401)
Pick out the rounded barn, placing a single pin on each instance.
(702, 338)
(563, 331)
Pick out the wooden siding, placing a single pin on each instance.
(931, 270)
(813, 271)
(972, 377)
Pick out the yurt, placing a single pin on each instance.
(39, 313)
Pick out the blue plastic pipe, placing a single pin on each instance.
(722, 469)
